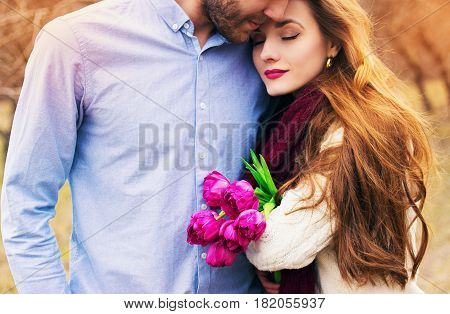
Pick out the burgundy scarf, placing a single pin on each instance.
(286, 136)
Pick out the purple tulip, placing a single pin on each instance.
(214, 185)
(239, 196)
(203, 228)
(231, 238)
(250, 224)
(219, 255)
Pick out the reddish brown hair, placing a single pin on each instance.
(380, 170)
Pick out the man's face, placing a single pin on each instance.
(236, 19)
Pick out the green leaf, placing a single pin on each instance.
(260, 171)
(268, 177)
(255, 160)
(259, 179)
(247, 165)
(263, 199)
(260, 192)
(259, 176)
(257, 164)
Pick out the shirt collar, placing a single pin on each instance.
(172, 13)
(176, 18)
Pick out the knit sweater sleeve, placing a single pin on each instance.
(292, 239)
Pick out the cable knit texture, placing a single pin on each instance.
(302, 234)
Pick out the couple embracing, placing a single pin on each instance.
(112, 92)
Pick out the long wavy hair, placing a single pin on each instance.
(380, 170)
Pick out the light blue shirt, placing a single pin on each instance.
(120, 99)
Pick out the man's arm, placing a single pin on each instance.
(40, 155)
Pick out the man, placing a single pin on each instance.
(134, 101)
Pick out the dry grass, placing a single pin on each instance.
(435, 269)
(20, 22)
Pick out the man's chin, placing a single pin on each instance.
(239, 38)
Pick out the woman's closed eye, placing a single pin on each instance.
(290, 37)
(256, 43)
(257, 40)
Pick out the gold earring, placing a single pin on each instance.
(329, 63)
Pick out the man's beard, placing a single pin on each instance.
(227, 18)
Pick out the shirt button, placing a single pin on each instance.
(201, 156)
(201, 58)
(204, 255)
(203, 206)
(175, 27)
(202, 106)
(186, 25)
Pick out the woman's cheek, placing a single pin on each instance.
(308, 62)
(257, 60)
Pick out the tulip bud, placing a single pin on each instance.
(250, 224)
(219, 255)
(239, 196)
(204, 228)
(214, 185)
(231, 238)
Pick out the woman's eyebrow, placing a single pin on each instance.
(287, 21)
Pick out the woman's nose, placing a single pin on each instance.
(268, 53)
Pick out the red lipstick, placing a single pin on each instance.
(275, 73)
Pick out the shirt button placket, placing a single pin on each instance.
(202, 117)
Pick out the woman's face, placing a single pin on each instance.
(291, 53)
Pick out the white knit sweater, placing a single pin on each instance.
(293, 241)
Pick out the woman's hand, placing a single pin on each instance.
(264, 277)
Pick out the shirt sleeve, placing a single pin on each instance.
(293, 239)
(40, 155)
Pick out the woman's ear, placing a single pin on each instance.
(333, 49)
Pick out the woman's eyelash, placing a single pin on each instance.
(256, 43)
(290, 37)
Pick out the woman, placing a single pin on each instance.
(350, 157)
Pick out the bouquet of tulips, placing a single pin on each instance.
(237, 213)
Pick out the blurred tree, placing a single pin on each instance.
(413, 40)
(20, 22)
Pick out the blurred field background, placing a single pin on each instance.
(412, 37)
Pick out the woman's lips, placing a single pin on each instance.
(274, 74)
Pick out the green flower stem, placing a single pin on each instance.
(268, 207)
(221, 214)
(277, 276)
